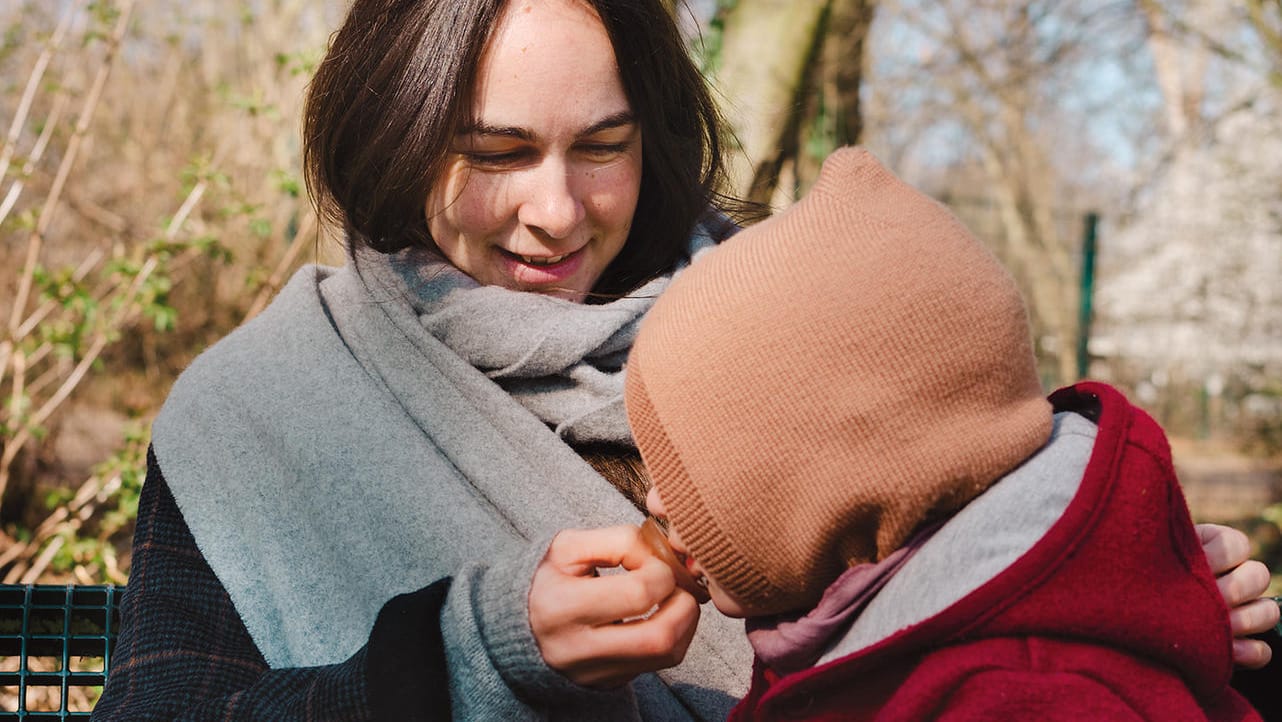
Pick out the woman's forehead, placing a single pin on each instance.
(526, 26)
(548, 62)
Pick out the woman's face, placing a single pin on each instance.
(539, 189)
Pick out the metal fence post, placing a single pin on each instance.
(1087, 291)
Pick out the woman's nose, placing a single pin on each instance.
(552, 204)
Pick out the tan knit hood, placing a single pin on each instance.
(810, 392)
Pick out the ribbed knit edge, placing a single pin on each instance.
(681, 499)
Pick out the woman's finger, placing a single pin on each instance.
(1243, 584)
(613, 597)
(581, 551)
(562, 593)
(663, 636)
(1225, 547)
(1251, 653)
(575, 617)
(1255, 617)
(613, 654)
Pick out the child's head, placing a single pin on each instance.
(808, 394)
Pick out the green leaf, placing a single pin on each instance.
(163, 317)
(287, 183)
(260, 227)
(57, 497)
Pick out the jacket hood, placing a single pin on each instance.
(1121, 571)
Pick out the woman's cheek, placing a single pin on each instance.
(485, 204)
(614, 195)
(616, 186)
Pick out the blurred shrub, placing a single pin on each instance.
(150, 199)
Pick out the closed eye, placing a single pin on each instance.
(602, 152)
(497, 160)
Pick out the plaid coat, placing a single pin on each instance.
(184, 654)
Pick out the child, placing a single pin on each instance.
(868, 471)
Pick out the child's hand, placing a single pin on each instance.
(577, 616)
(1241, 581)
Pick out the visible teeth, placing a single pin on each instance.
(543, 261)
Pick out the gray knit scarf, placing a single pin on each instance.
(561, 360)
(377, 429)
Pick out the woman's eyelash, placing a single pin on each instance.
(516, 156)
(608, 147)
(495, 158)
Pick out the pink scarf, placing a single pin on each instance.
(788, 643)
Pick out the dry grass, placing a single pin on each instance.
(150, 198)
(49, 699)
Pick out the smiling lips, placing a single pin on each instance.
(544, 261)
(537, 272)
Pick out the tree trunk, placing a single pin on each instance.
(766, 50)
(790, 71)
(1179, 66)
(1265, 17)
(833, 116)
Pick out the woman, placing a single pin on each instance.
(517, 181)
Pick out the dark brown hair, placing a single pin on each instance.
(621, 466)
(397, 83)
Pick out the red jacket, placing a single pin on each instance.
(1113, 615)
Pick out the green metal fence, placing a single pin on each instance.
(55, 648)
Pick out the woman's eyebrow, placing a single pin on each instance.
(614, 120)
(506, 131)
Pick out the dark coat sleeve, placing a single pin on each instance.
(1260, 686)
(184, 654)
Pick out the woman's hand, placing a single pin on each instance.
(1241, 581)
(577, 616)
